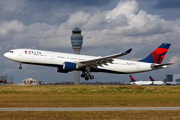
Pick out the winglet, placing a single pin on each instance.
(128, 51)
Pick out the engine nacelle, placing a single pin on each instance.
(60, 69)
(69, 66)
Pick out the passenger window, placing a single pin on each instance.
(11, 51)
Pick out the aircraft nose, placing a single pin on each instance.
(6, 55)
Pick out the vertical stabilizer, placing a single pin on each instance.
(132, 79)
(151, 79)
(157, 55)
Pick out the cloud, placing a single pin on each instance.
(123, 8)
(49, 26)
(176, 61)
(12, 27)
(125, 24)
(78, 19)
(49, 11)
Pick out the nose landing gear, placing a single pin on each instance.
(20, 67)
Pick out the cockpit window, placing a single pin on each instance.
(11, 51)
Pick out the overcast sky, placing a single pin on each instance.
(108, 27)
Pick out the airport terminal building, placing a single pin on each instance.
(29, 81)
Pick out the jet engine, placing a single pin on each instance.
(67, 66)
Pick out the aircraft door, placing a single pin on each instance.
(51, 56)
(20, 53)
(137, 66)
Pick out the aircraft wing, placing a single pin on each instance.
(159, 66)
(103, 60)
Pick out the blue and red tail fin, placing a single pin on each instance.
(157, 55)
(132, 79)
(151, 79)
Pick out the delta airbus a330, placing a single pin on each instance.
(70, 62)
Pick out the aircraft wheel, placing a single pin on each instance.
(86, 78)
(91, 77)
(82, 75)
(87, 74)
(20, 67)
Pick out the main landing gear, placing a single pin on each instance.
(87, 76)
(20, 67)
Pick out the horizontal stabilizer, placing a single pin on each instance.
(159, 66)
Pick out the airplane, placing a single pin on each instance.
(171, 83)
(134, 82)
(65, 62)
(157, 82)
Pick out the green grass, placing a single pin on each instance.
(89, 89)
(89, 96)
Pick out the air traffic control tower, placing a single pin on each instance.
(76, 41)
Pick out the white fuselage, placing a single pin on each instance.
(159, 83)
(142, 83)
(55, 59)
(172, 83)
(147, 83)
